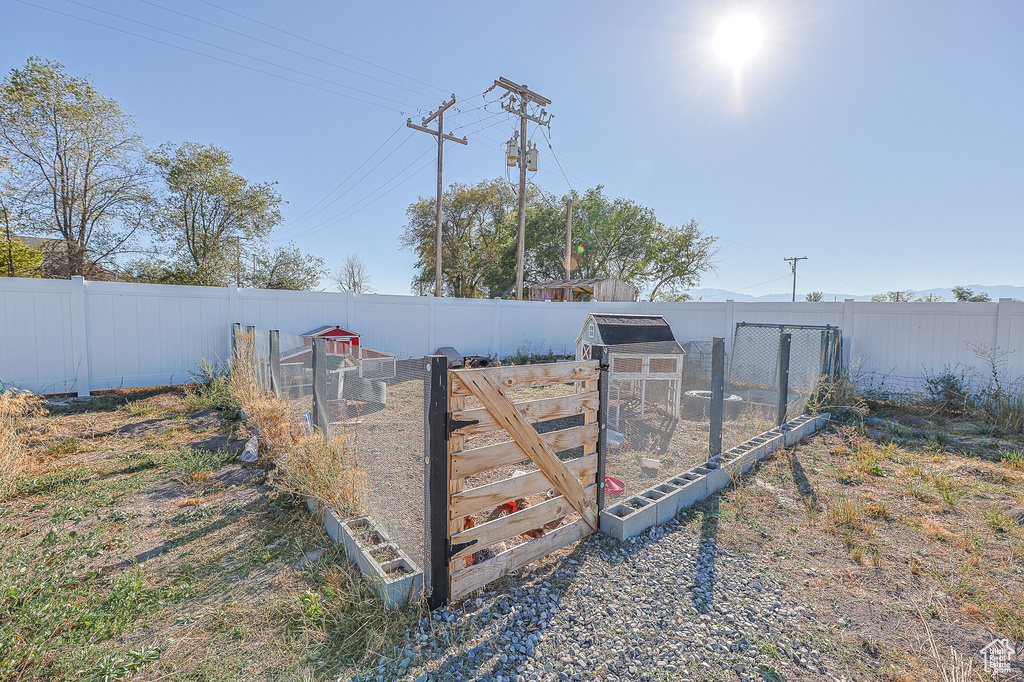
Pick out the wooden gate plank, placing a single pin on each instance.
(532, 410)
(468, 579)
(486, 391)
(510, 526)
(489, 496)
(533, 376)
(477, 460)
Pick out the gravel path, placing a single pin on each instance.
(669, 605)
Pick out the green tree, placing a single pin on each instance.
(286, 267)
(681, 255)
(814, 297)
(894, 297)
(209, 215)
(77, 162)
(929, 298)
(476, 221)
(965, 295)
(20, 260)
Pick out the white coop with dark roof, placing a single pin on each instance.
(642, 350)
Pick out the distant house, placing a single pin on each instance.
(596, 289)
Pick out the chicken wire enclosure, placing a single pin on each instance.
(653, 427)
(375, 401)
(753, 369)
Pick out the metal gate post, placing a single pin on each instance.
(717, 396)
(436, 541)
(275, 361)
(601, 354)
(236, 329)
(785, 340)
(319, 384)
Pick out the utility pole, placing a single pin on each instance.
(441, 137)
(794, 260)
(518, 105)
(568, 248)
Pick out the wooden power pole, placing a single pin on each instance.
(795, 261)
(568, 248)
(522, 96)
(441, 137)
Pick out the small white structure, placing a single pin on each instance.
(643, 350)
(597, 289)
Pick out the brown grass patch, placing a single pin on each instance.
(14, 407)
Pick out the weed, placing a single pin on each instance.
(845, 512)
(1013, 460)
(949, 491)
(914, 564)
(214, 395)
(13, 407)
(857, 554)
(948, 390)
(139, 408)
(68, 445)
(876, 557)
(192, 466)
(994, 518)
(878, 510)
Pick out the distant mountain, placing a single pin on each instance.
(995, 292)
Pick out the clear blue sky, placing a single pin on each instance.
(883, 140)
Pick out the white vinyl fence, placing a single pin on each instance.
(73, 336)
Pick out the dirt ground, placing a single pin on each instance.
(137, 547)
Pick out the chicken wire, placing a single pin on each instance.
(377, 402)
(657, 411)
(753, 367)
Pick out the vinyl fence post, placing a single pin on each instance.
(275, 361)
(80, 336)
(717, 396)
(320, 384)
(785, 340)
(437, 480)
(601, 353)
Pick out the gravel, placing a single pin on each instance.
(668, 605)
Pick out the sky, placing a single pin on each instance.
(882, 140)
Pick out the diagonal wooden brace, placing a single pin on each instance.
(523, 433)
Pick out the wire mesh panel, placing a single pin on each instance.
(753, 373)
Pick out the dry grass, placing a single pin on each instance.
(14, 407)
(308, 464)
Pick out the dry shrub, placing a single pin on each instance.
(14, 406)
(309, 464)
(322, 468)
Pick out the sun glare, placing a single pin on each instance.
(738, 39)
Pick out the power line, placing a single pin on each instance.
(365, 175)
(342, 214)
(281, 47)
(326, 47)
(213, 57)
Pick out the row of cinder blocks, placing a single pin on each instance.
(660, 503)
(395, 579)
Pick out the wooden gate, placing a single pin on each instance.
(571, 482)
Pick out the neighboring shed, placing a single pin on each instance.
(598, 289)
(648, 351)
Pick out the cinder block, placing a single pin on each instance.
(692, 489)
(629, 518)
(395, 581)
(332, 525)
(717, 477)
(668, 504)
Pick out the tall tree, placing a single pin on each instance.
(814, 297)
(211, 216)
(352, 276)
(78, 161)
(286, 267)
(965, 295)
(474, 226)
(679, 257)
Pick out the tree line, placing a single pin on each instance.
(610, 238)
(76, 174)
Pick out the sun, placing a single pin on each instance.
(738, 39)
